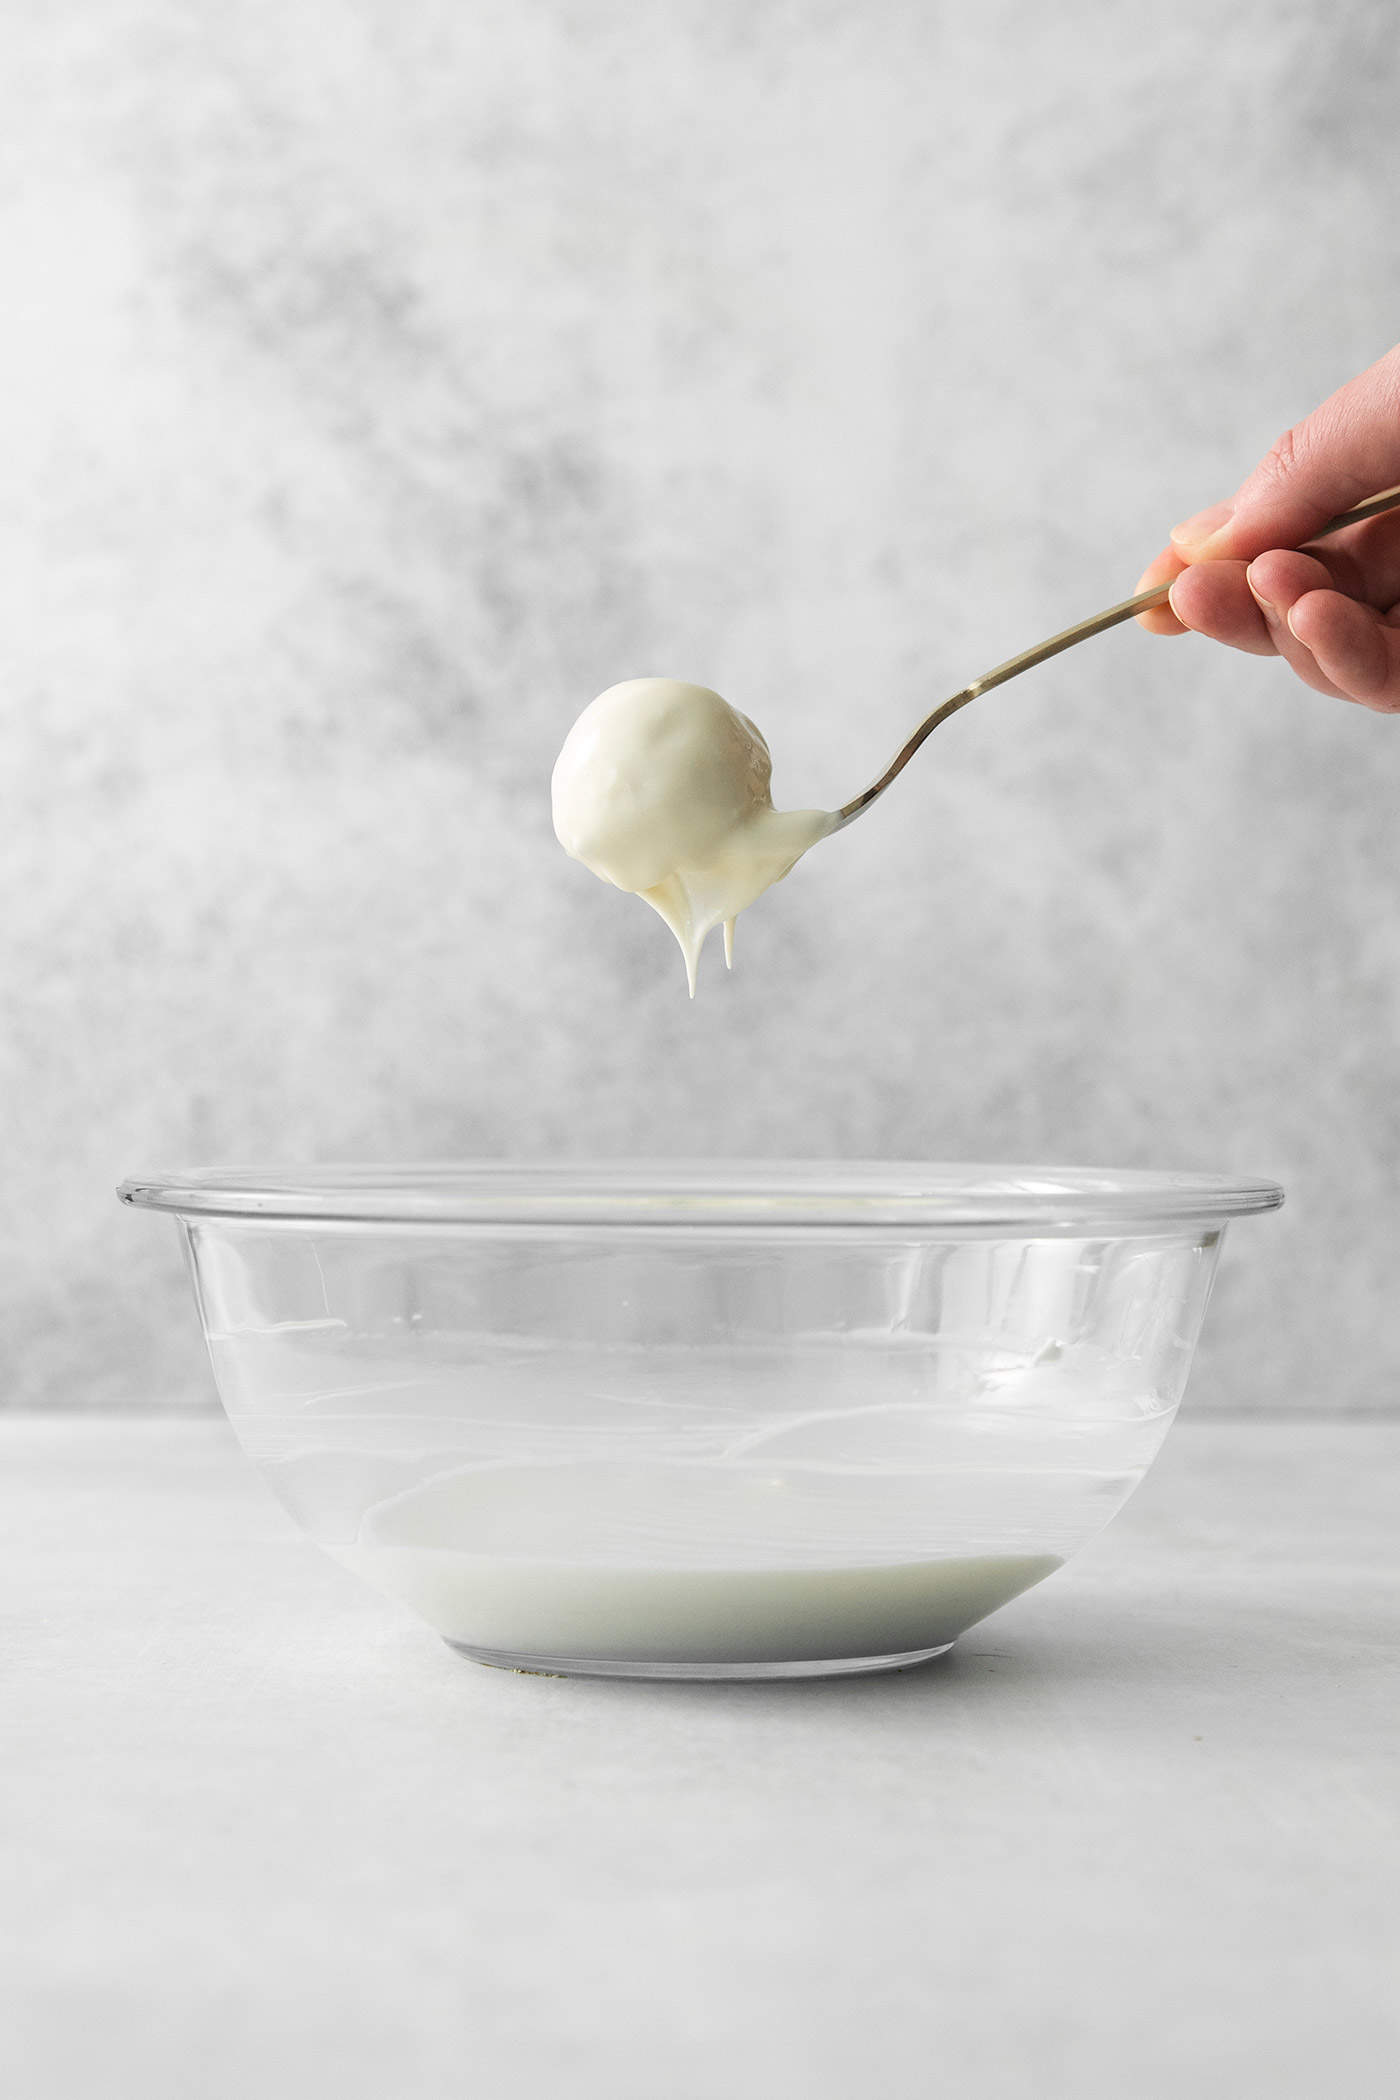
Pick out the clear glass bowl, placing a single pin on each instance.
(715, 1420)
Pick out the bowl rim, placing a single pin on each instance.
(930, 1196)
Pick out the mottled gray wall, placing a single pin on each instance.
(382, 380)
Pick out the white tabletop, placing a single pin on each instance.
(265, 1835)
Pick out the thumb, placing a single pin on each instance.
(1343, 452)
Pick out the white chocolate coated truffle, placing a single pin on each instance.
(662, 788)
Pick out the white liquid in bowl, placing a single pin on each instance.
(811, 1503)
(684, 1566)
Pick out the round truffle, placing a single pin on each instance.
(653, 777)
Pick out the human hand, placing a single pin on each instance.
(1332, 613)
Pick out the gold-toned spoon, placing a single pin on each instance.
(1389, 499)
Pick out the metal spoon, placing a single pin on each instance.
(1389, 499)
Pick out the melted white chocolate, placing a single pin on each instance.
(664, 789)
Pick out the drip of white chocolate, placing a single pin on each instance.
(664, 789)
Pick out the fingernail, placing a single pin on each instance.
(1291, 628)
(1265, 605)
(1206, 523)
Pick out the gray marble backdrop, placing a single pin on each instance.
(382, 378)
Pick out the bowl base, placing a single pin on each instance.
(710, 1672)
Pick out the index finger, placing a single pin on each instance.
(1160, 619)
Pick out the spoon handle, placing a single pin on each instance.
(1127, 609)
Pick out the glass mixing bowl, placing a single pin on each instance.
(719, 1420)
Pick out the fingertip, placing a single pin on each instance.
(1281, 576)
(1194, 535)
(1185, 599)
(1159, 619)
(1213, 599)
(1353, 648)
(1319, 616)
(1298, 632)
(1185, 602)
